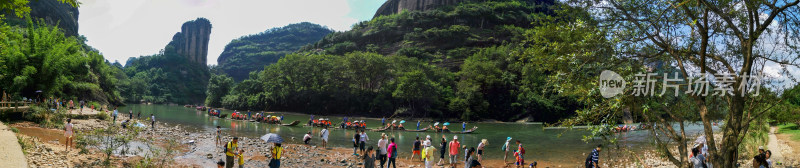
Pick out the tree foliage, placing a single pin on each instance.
(40, 57)
(252, 52)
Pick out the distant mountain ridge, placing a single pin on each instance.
(252, 52)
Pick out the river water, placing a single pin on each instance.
(554, 145)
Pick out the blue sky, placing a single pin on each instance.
(121, 29)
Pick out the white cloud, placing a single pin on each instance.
(121, 29)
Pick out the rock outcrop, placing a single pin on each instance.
(51, 12)
(192, 41)
(397, 6)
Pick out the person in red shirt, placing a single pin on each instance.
(454, 146)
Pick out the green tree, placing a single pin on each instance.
(708, 37)
(218, 86)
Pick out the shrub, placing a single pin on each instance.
(45, 117)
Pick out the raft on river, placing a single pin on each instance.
(458, 132)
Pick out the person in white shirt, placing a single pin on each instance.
(324, 135)
(382, 149)
(307, 138)
(364, 139)
(481, 145)
(68, 134)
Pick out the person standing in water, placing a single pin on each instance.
(463, 126)
(418, 124)
(506, 147)
(324, 135)
(415, 148)
(443, 151)
(68, 134)
(481, 146)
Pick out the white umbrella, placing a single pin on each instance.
(272, 138)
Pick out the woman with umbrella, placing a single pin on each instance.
(277, 150)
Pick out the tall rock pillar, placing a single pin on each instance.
(194, 38)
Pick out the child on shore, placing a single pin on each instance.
(241, 158)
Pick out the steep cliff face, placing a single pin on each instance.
(396, 6)
(52, 12)
(192, 41)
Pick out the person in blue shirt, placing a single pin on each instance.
(463, 126)
(593, 160)
(115, 115)
(383, 121)
(281, 118)
(417, 124)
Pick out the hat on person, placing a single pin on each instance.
(760, 147)
(508, 139)
(428, 137)
(455, 137)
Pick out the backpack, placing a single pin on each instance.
(225, 148)
(503, 148)
(522, 150)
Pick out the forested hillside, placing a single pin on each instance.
(252, 52)
(474, 61)
(177, 74)
(38, 60)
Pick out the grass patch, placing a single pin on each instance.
(24, 144)
(15, 130)
(791, 129)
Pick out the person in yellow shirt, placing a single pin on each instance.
(241, 158)
(277, 154)
(231, 151)
(429, 154)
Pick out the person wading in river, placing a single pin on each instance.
(324, 135)
(443, 151)
(506, 147)
(415, 148)
(481, 146)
